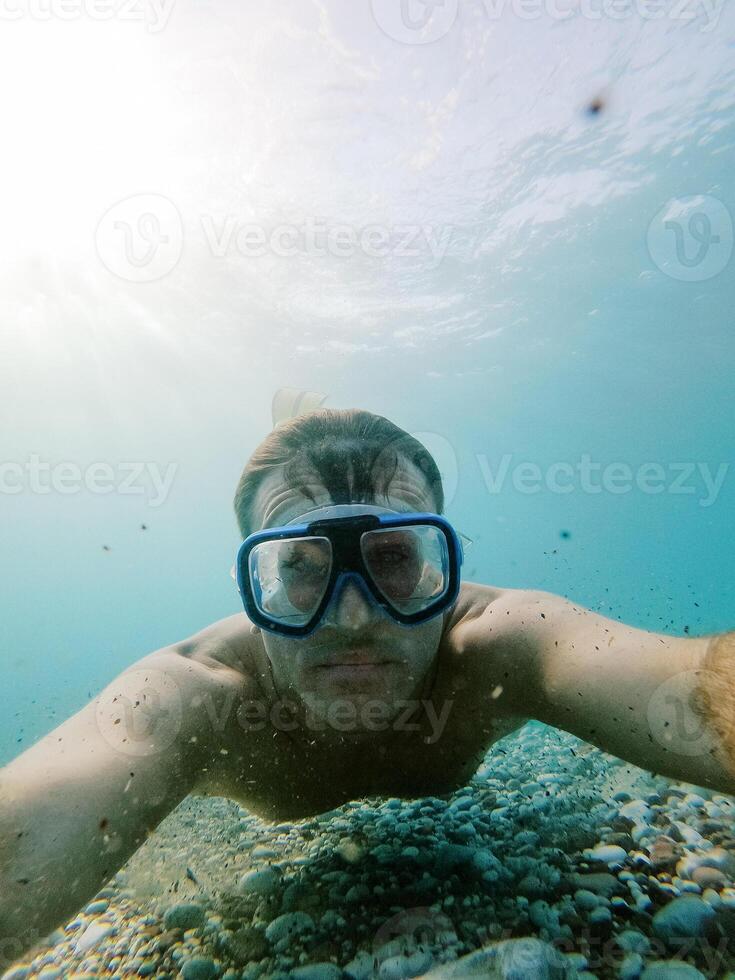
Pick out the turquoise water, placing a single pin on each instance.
(556, 317)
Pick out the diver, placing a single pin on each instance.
(362, 665)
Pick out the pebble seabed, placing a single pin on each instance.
(554, 861)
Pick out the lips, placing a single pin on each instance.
(355, 662)
(356, 658)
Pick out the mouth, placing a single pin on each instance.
(352, 673)
(355, 664)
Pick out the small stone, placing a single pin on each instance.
(633, 941)
(662, 853)
(585, 900)
(609, 854)
(316, 971)
(94, 908)
(709, 877)
(601, 884)
(404, 967)
(362, 967)
(631, 967)
(261, 881)
(187, 915)
(510, 959)
(199, 968)
(671, 970)
(357, 893)
(288, 925)
(93, 934)
(684, 917)
(600, 916)
(637, 811)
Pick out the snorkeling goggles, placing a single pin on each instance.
(406, 563)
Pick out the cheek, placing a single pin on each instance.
(288, 657)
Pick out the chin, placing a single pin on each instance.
(355, 710)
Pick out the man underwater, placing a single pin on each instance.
(362, 666)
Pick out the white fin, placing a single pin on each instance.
(290, 402)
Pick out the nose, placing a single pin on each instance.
(350, 609)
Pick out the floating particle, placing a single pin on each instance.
(106, 547)
(595, 106)
(144, 527)
(565, 534)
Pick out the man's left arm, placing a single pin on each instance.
(665, 703)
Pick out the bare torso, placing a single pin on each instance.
(433, 748)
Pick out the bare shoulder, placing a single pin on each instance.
(479, 606)
(228, 643)
(487, 650)
(220, 656)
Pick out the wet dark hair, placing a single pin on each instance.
(353, 453)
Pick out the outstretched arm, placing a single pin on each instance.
(78, 803)
(665, 703)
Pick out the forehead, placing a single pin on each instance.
(278, 500)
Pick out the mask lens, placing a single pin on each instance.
(289, 577)
(409, 565)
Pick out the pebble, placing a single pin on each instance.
(631, 966)
(187, 915)
(199, 968)
(261, 881)
(361, 967)
(403, 967)
(585, 900)
(287, 926)
(93, 934)
(600, 915)
(633, 941)
(709, 877)
(601, 884)
(510, 959)
(671, 970)
(637, 811)
(317, 971)
(684, 917)
(513, 853)
(94, 908)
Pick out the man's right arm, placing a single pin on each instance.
(78, 803)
